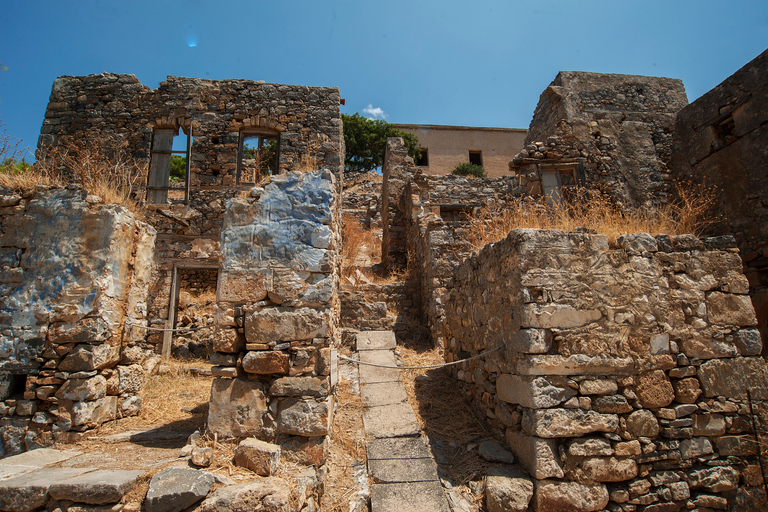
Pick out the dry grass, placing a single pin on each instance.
(360, 247)
(100, 167)
(595, 211)
(444, 413)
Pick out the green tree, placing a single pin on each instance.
(467, 169)
(178, 168)
(366, 142)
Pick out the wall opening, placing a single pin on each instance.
(258, 155)
(169, 166)
(193, 310)
(476, 157)
(423, 160)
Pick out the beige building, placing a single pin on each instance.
(445, 147)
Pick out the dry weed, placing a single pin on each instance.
(360, 246)
(593, 210)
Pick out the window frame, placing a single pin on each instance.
(164, 174)
(263, 135)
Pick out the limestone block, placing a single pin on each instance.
(707, 349)
(613, 404)
(749, 342)
(538, 456)
(715, 479)
(687, 390)
(553, 496)
(237, 408)
(131, 378)
(130, 406)
(736, 446)
(285, 324)
(260, 457)
(87, 330)
(269, 494)
(695, 447)
(551, 423)
(642, 423)
(83, 389)
(589, 446)
(309, 451)
(578, 364)
(654, 390)
(730, 309)
(533, 392)
(267, 362)
(299, 386)
(228, 341)
(637, 243)
(609, 469)
(530, 341)
(598, 387)
(559, 316)
(726, 377)
(304, 417)
(175, 489)
(709, 425)
(85, 358)
(659, 344)
(251, 286)
(94, 413)
(96, 487)
(507, 490)
(628, 449)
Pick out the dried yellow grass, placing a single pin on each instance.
(594, 211)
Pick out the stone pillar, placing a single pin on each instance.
(278, 315)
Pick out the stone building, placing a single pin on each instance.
(445, 147)
(219, 128)
(722, 141)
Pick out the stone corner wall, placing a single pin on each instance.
(75, 275)
(628, 376)
(279, 310)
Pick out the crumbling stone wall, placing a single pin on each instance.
(116, 109)
(615, 131)
(75, 276)
(279, 315)
(722, 143)
(626, 376)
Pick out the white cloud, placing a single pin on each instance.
(374, 113)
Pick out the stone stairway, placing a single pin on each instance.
(400, 464)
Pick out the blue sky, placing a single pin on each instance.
(438, 62)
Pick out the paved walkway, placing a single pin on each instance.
(399, 461)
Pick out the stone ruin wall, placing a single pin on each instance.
(278, 315)
(617, 130)
(722, 142)
(75, 276)
(118, 109)
(628, 375)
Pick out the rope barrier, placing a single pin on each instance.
(186, 329)
(421, 367)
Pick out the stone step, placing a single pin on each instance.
(372, 374)
(376, 340)
(96, 487)
(395, 420)
(397, 448)
(408, 497)
(384, 471)
(383, 393)
(29, 491)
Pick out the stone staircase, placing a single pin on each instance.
(399, 461)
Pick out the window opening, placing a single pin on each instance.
(476, 157)
(456, 213)
(423, 160)
(169, 166)
(258, 157)
(194, 309)
(556, 181)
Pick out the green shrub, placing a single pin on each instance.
(467, 169)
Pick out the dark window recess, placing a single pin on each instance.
(169, 163)
(257, 157)
(476, 157)
(724, 133)
(423, 160)
(452, 213)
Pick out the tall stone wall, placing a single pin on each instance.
(722, 144)
(279, 315)
(75, 277)
(627, 376)
(617, 128)
(117, 111)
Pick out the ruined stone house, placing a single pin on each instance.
(612, 371)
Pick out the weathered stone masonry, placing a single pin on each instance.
(279, 315)
(306, 121)
(628, 375)
(75, 275)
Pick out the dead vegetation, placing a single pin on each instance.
(101, 167)
(595, 211)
